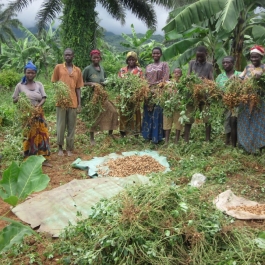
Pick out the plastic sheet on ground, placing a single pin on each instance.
(97, 163)
(53, 210)
(228, 199)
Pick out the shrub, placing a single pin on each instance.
(9, 78)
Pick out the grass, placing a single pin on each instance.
(167, 223)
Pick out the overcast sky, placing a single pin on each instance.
(27, 17)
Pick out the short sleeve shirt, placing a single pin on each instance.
(91, 74)
(35, 94)
(223, 78)
(204, 70)
(73, 80)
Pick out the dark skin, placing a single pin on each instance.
(30, 75)
(156, 54)
(95, 58)
(68, 58)
(131, 65)
(228, 66)
(255, 59)
(177, 73)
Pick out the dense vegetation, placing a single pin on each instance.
(168, 222)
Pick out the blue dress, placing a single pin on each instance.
(251, 125)
(152, 126)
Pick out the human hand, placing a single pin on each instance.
(79, 108)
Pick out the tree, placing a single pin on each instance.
(7, 21)
(79, 18)
(231, 22)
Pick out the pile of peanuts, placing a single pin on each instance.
(258, 209)
(130, 165)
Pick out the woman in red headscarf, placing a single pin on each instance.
(251, 123)
(108, 119)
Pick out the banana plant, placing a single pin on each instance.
(140, 45)
(230, 24)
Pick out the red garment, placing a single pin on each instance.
(136, 71)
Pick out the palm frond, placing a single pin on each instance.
(48, 12)
(18, 5)
(115, 8)
(144, 10)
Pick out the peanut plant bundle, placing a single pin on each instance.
(248, 92)
(93, 100)
(62, 95)
(27, 113)
(132, 91)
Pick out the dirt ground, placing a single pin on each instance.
(61, 173)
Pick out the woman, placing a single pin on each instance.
(94, 74)
(251, 124)
(152, 127)
(128, 123)
(36, 141)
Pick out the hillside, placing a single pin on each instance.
(109, 37)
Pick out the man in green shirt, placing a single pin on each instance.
(230, 123)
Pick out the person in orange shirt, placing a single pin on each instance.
(71, 75)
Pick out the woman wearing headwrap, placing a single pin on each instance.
(36, 141)
(157, 72)
(131, 124)
(108, 119)
(251, 124)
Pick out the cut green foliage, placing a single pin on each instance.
(153, 225)
(20, 181)
(260, 240)
(13, 234)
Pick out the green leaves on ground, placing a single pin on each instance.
(13, 234)
(20, 181)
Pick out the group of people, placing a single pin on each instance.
(245, 126)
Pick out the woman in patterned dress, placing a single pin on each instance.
(251, 124)
(36, 138)
(127, 123)
(157, 72)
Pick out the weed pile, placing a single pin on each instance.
(26, 112)
(62, 95)
(132, 91)
(148, 225)
(93, 100)
(130, 165)
(248, 92)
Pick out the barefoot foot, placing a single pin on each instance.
(60, 153)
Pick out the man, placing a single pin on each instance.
(204, 70)
(168, 121)
(66, 118)
(230, 123)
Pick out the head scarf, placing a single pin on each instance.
(257, 49)
(97, 52)
(31, 66)
(134, 55)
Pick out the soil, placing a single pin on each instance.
(61, 172)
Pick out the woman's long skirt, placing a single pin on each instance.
(152, 127)
(251, 128)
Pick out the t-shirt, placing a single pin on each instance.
(35, 93)
(91, 74)
(204, 70)
(223, 78)
(74, 80)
